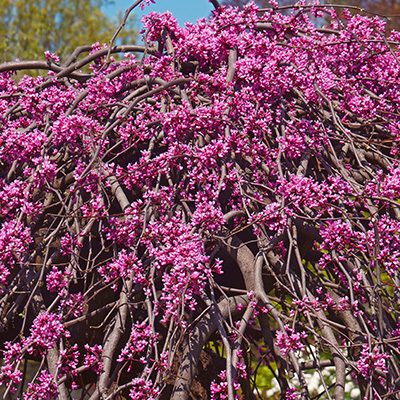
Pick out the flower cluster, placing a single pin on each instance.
(290, 340)
(291, 394)
(181, 254)
(370, 360)
(57, 280)
(141, 337)
(122, 266)
(14, 241)
(44, 389)
(9, 372)
(93, 358)
(389, 243)
(46, 329)
(143, 390)
(219, 390)
(271, 217)
(69, 360)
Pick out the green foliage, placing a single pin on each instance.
(30, 27)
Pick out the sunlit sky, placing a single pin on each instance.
(182, 10)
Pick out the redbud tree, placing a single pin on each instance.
(214, 216)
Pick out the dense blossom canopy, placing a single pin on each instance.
(220, 208)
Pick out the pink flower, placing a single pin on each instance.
(370, 360)
(46, 329)
(141, 337)
(57, 281)
(290, 340)
(51, 57)
(14, 241)
(291, 394)
(143, 390)
(92, 358)
(45, 389)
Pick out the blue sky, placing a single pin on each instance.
(182, 10)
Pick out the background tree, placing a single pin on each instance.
(224, 204)
(29, 28)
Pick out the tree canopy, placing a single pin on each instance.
(219, 208)
(30, 27)
(387, 9)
